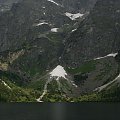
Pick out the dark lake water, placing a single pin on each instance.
(60, 111)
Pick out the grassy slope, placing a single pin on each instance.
(19, 94)
(110, 95)
(87, 67)
(16, 93)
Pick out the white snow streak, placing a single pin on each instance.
(54, 29)
(6, 85)
(42, 23)
(44, 91)
(54, 2)
(109, 55)
(112, 55)
(73, 16)
(74, 30)
(74, 84)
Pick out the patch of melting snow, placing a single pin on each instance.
(109, 55)
(112, 55)
(42, 23)
(106, 85)
(54, 29)
(73, 16)
(74, 84)
(54, 2)
(5, 84)
(44, 92)
(74, 30)
(58, 72)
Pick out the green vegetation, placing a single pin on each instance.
(109, 95)
(53, 87)
(59, 97)
(10, 76)
(37, 85)
(17, 94)
(10, 92)
(86, 67)
(65, 86)
(56, 92)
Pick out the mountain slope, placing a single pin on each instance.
(27, 32)
(55, 50)
(11, 92)
(6, 5)
(97, 35)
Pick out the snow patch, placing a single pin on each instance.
(54, 2)
(58, 72)
(74, 84)
(112, 55)
(42, 23)
(5, 84)
(109, 55)
(74, 30)
(54, 29)
(73, 16)
(43, 94)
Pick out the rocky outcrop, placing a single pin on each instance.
(97, 35)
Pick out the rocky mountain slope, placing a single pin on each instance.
(32, 36)
(61, 50)
(97, 35)
(6, 5)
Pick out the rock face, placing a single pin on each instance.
(77, 5)
(23, 18)
(28, 27)
(97, 35)
(60, 47)
(6, 5)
